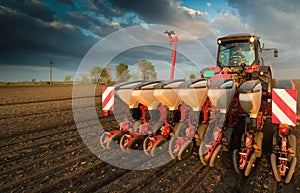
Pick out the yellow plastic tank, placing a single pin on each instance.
(194, 93)
(144, 94)
(250, 94)
(167, 93)
(221, 92)
(124, 91)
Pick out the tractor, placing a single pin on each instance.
(241, 89)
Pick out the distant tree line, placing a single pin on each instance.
(99, 75)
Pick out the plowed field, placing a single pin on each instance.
(41, 151)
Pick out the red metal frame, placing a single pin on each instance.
(171, 41)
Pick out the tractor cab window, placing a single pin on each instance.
(236, 54)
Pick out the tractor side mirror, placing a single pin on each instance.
(275, 53)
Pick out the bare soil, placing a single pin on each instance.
(41, 151)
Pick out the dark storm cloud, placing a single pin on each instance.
(31, 8)
(106, 8)
(167, 12)
(68, 2)
(24, 39)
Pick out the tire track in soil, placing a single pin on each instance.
(16, 154)
(30, 179)
(138, 179)
(47, 100)
(220, 178)
(44, 132)
(107, 174)
(27, 129)
(168, 180)
(43, 113)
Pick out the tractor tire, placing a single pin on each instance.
(114, 139)
(236, 161)
(216, 154)
(250, 164)
(101, 140)
(291, 170)
(202, 130)
(136, 144)
(186, 150)
(145, 146)
(159, 147)
(171, 147)
(122, 141)
(274, 168)
(292, 142)
(258, 140)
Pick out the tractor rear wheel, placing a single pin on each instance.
(216, 154)
(159, 147)
(274, 168)
(291, 170)
(186, 150)
(250, 164)
(236, 161)
(114, 139)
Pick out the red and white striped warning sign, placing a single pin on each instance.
(108, 98)
(284, 106)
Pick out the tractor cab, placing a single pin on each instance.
(239, 50)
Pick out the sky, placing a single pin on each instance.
(33, 32)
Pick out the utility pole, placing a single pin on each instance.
(51, 72)
(171, 41)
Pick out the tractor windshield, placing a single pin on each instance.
(235, 54)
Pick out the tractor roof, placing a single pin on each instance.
(237, 37)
